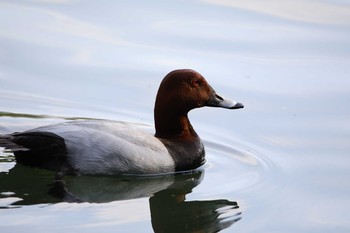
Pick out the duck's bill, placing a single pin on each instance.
(217, 101)
(230, 104)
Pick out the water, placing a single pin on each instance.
(281, 164)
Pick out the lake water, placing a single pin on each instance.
(281, 164)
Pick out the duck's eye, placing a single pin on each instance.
(195, 82)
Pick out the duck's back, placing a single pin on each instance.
(108, 147)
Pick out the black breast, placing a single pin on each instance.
(186, 154)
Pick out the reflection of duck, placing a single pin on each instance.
(169, 210)
(171, 213)
(102, 189)
(107, 147)
(26, 186)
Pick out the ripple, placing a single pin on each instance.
(236, 169)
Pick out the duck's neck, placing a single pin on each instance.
(172, 124)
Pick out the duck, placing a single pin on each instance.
(106, 147)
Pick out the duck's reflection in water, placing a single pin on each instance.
(170, 212)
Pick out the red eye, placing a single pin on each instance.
(195, 82)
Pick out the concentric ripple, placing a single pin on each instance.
(234, 168)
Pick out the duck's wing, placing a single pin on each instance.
(98, 147)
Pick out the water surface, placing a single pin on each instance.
(281, 164)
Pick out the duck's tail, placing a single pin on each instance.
(7, 142)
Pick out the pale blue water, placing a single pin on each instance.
(281, 164)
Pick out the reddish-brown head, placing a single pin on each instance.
(181, 91)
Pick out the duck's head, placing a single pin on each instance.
(186, 89)
(181, 91)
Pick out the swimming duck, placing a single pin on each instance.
(108, 147)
